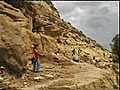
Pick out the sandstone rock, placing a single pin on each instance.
(13, 86)
(76, 58)
(18, 44)
(12, 51)
(49, 67)
(49, 76)
(27, 75)
(4, 86)
(1, 79)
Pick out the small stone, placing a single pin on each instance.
(23, 77)
(49, 76)
(2, 68)
(27, 75)
(38, 78)
(93, 62)
(48, 67)
(25, 83)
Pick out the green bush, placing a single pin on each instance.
(115, 44)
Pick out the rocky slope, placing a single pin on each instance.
(57, 39)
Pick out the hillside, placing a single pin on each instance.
(90, 68)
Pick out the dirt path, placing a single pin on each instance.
(81, 76)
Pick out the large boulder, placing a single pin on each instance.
(15, 42)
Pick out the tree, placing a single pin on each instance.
(115, 44)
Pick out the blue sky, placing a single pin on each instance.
(96, 19)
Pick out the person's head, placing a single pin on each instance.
(35, 46)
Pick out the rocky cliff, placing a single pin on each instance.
(57, 38)
(17, 21)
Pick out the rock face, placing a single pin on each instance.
(15, 40)
(56, 38)
(16, 36)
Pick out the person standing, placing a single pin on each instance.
(36, 64)
(73, 52)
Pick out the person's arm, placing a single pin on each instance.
(41, 54)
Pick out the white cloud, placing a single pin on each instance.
(78, 10)
(72, 18)
(97, 19)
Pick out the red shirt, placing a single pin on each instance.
(36, 54)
